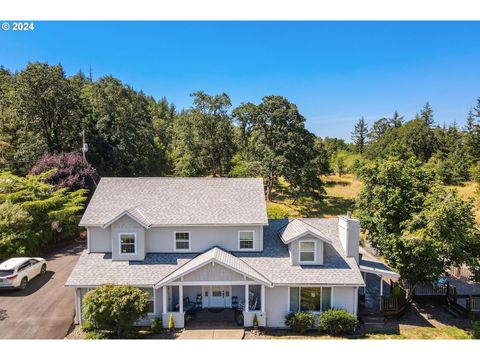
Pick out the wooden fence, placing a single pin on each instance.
(394, 305)
(473, 307)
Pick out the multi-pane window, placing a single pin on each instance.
(307, 251)
(127, 243)
(182, 241)
(151, 302)
(245, 239)
(310, 298)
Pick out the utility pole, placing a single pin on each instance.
(84, 146)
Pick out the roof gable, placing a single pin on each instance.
(297, 229)
(221, 257)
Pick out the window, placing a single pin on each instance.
(127, 243)
(24, 266)
(182, 241)
(307, 251)
(246, 239)
(151, 300)
(310, 299)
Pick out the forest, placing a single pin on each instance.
(406, 169)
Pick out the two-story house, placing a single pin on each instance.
(207, 243)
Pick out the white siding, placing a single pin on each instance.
(344, 298)
(161, 239)
(99, 240)
(127, 225)
(276, 305)
(294, 249)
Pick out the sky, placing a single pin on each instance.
(335, 72)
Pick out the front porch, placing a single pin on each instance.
(214, 303)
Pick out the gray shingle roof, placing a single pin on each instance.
(273, 263)
(174, 201)
(222, 257)
(297, 228)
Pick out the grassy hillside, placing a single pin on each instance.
(341, 192)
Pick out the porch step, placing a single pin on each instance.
(373, 319)
(455, 312)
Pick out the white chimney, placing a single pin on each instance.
(349, 234)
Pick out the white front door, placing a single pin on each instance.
(216, 296)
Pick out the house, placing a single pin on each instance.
(204, 243)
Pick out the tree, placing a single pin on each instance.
(40, 112)
(392, 191)
(359, 135)
(115, 308)
(396, 120)
(426, 114)
(204, 137)
(278, 140)
(471, 140)
(379, 127)
(339, 162)
(442, 234)
(119, 130)
(32, 213)
(420, 228)
(72, 171)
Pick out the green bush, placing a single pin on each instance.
(95, 335)
(156, 326)
(299, 321)
(275, 211)
(115, 308)
(476, 329)
(337, 322)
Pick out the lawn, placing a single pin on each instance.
(340, 198)
(341, 192)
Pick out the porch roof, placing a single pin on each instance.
(221, 257)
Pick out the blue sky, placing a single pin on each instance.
(335, 72)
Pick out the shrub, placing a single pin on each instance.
(476, 329)
(171, 323)
(156, 326)
(299, 321)
(115, 308)
(275, 211)
(96, 335)
(337, 322)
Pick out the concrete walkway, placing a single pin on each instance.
(212, 334)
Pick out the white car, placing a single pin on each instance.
(17, 272)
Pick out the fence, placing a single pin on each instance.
(473, 307)
(394, 304)
(431, 290)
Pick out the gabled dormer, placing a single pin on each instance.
(305, 243)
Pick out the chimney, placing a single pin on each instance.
(349, 234)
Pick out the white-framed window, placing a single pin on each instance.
(151, 299)
(315, 299)
(127, 243)
(307, 251)
(246, 240)
(182, 240)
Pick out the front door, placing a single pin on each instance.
(216, 296)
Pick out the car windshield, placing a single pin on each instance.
(5, 272)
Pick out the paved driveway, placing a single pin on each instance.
(45, 309)
(212, 334)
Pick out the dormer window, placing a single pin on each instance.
(182, 241)
(246, 240)
(307, 251)
(127, 244)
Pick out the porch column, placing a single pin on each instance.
(381, 285)
(180, 295)
(164, 292)
(247, 302)
(262, 299)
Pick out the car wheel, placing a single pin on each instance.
(23, 284)
(44, 269)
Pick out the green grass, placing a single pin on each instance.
(424, 333)
(341, 192)
(468, 190)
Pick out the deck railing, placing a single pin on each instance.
(394, 305)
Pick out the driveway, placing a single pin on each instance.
(45, 309)
(212, 334)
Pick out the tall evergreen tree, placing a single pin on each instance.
(396, 120)
(426, 115)
(359, 135)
